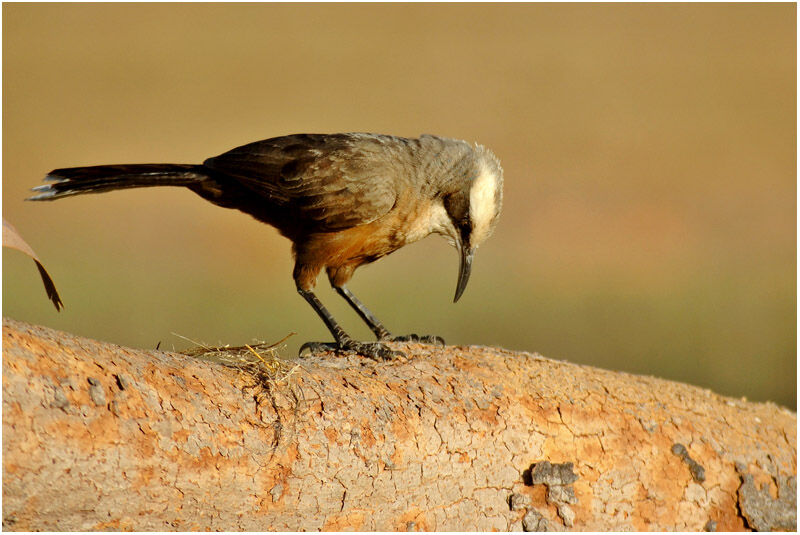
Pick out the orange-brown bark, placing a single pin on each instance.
(96, 436)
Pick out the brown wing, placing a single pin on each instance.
(335, 180)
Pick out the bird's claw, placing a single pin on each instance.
(374, 350)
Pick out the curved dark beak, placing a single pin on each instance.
(464, 269)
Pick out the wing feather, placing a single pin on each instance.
(336, 181)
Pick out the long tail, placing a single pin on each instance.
(100, 178)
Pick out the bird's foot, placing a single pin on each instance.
(317, 347)
(374, 350)
(422, 339)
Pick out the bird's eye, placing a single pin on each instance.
(465, 229)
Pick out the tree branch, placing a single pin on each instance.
(97, 436)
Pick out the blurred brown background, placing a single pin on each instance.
(649, 155)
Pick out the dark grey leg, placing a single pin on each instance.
(369, 318)
(373, 350)
(376, 326)
(337, 332)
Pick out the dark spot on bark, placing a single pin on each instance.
(526, 477)
(711, 525)
(558, 478)
(122, 382)
(534, 521)
(546, 473)
(763, 513)
(697, 471)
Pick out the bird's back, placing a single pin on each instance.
(330, 182)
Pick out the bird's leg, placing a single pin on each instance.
(332, 325)
(376, 326)
(369, 318)
(373, 350)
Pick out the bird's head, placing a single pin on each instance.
(473, 209)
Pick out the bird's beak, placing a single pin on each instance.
(464, 269)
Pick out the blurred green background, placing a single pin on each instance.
(649, 154)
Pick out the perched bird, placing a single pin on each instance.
(344, 200)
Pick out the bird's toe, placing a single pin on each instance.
(422, 339)
(375, 350)
(432, 339)
(316, 347)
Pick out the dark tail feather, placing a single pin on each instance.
(100, 178)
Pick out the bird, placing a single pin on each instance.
(344, 200)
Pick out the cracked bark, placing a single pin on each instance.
(96, 436)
